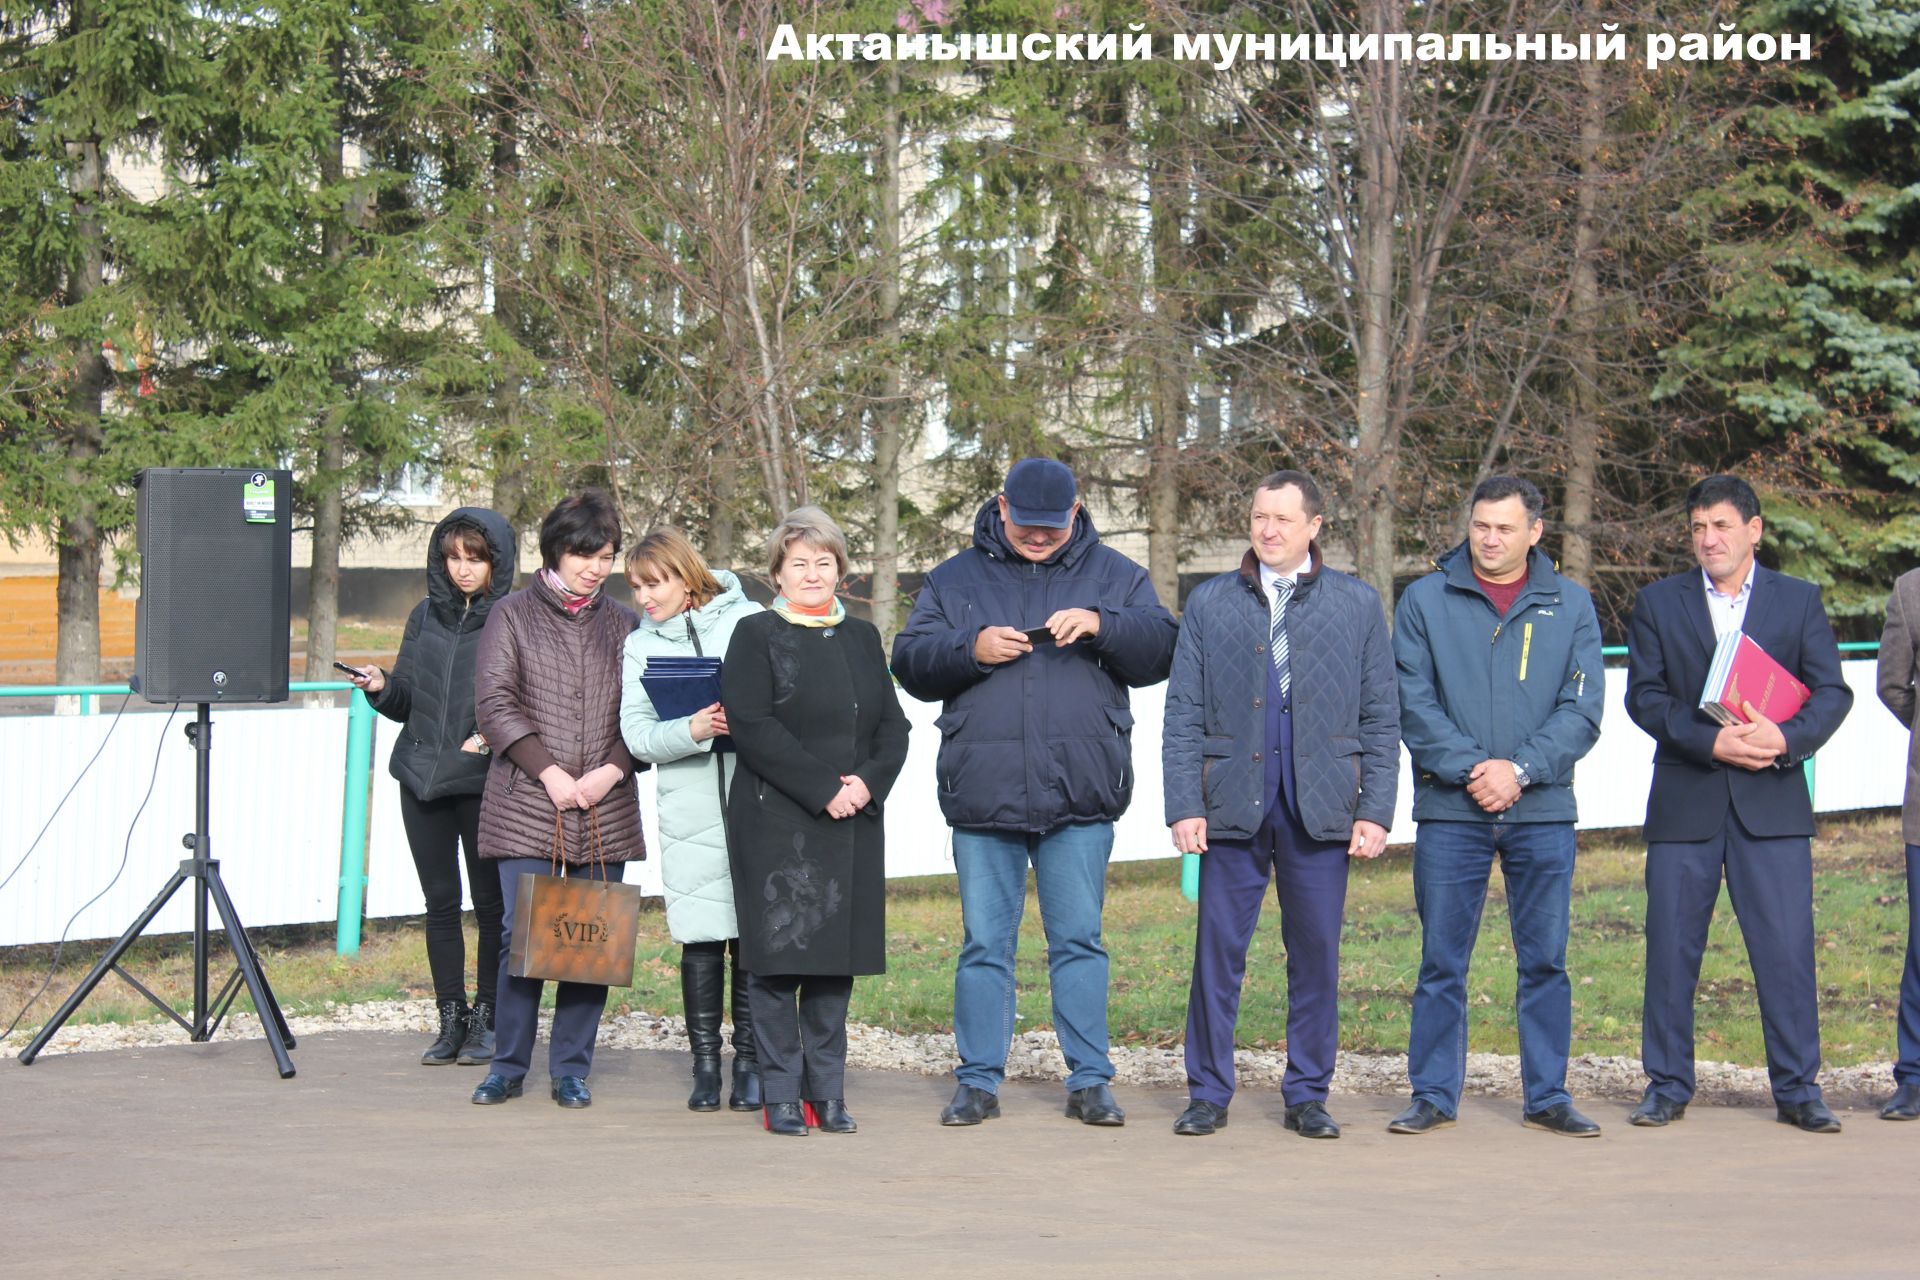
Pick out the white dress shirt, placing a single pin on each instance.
(1729, 613)
(1270, 576)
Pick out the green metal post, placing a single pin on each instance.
(353, 825)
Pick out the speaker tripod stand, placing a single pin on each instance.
(203, 872)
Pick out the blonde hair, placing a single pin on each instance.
(667, 550)
(812, 526)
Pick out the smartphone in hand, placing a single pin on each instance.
(1038, 636)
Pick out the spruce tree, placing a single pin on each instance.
(1812, 347)
(90, 91)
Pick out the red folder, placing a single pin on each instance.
(1744, 672)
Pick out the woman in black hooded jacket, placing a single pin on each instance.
(441, 763)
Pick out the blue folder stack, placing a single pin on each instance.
(678, 687)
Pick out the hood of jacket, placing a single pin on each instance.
(990, 536)
(707, 619)
(445, 599)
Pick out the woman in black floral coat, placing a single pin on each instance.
(813, 715)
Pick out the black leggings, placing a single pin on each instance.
(439, 831)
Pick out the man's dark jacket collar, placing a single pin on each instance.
(990, 536)
(1457, 564)
(1303, 582)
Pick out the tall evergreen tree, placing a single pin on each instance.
(89, 89)
(316, 271)
(1812, 345)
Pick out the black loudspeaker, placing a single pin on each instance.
(216, 556)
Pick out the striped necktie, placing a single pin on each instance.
(1282, 592)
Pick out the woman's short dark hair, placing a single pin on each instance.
(1715, 490)
(579, 526)
(468, 537)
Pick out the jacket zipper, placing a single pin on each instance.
(446, 688)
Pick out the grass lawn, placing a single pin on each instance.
(356, 637)
(1860, 919)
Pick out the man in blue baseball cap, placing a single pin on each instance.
(1031, 639)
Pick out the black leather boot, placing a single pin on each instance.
(746, 1094)
(453, 1033)
(703, 973)
(479, 1045)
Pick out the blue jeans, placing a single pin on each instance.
(1452, 862)
(1070, 868)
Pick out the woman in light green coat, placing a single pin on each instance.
(689, 610)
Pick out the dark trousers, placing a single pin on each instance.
(576, 1005)
(800, 1024)
(1310, 882)
(440, 833)
(1907, 1070)
(1771, 884)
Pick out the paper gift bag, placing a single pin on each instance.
(575, 928)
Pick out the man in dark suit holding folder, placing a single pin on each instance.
(1731, 799)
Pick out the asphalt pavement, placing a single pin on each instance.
(198, 1160)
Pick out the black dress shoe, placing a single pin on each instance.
(1420, 1116)
(571, 1091)
(1811, 1115)
(1095, 1105)
(1200, 1119)
(1310, 1120)
(785, 1119)
(1656, 1111)
(497, 1089)
(1904, 1104)
(833, 1117)
(1561, 1118)
(970, 1106)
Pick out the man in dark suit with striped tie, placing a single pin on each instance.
(1731, 800)
(1281, 756)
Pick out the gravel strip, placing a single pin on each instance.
(1036, 1056)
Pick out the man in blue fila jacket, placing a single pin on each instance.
(1036, 762)
(1281, 757)
(1500, 694)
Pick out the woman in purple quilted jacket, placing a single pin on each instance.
(547, 696)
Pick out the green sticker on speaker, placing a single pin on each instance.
(256, 499)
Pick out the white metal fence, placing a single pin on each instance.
(278, 791)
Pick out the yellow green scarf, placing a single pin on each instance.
(832, 618)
